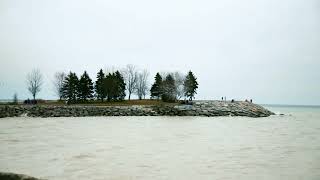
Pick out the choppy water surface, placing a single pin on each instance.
(277, 147)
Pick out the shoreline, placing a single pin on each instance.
(204, 108)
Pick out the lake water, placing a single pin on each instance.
(121, 148)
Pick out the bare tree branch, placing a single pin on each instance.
(142, 84)
(58, 83)
(130, 75)
(34, 82)
(179, 80)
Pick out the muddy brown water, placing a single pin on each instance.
(276, 147)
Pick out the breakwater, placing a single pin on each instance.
(201, 108)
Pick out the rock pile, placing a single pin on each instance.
(201, 108)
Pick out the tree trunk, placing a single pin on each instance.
(129, 95)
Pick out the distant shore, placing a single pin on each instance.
(198, 108)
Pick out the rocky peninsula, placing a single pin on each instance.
(198, 108)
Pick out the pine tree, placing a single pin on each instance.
(190, 85)
(121, 86)
(109, 86)
(168, 89)
(70, 88)
(99, 87)
(155, 90)
(114, 86)
(85, 88)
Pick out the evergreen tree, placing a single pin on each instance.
(190, 85)
(85, 88)
(114, 86)
(121, 86)
(110, 86)
(99, 86)
(169, 89)
(69, 88)
(155, 90)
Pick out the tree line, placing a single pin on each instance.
(169, 89)
(109, 86)
(114, 86)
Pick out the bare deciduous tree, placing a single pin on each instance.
(130, 75)
(109, 69)
(34, 82)
(58, 83)
(142, 84)
(179, 80)
(164, 74)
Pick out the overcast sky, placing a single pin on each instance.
(267, 50)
